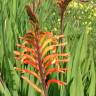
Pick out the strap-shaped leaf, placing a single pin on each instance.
(32, 84)
(50, 71)
(28, 71)
(55, 81)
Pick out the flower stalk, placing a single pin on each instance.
(63, 5)
(41, 55)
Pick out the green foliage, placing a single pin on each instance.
(80, 34)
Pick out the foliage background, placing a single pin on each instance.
(80, 34)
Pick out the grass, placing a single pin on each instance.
(80, 34)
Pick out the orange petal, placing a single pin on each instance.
(17, 53)
(50, 63)
(29, 41)
(62, 44)
(44, 36)
(54, 56)
(27, 49)
(55, 81)
(58, 37)
(48, 33)
(44, 52)
(64, 60)
(28, 71)
(51, 47)
(50, 71)
(46, 43)
(30, 31)
(26, 56)
(33, 64)
(18, 58)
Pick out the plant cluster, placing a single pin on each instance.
(40, 52)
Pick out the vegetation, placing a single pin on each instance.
(75, 25)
